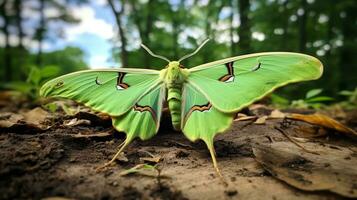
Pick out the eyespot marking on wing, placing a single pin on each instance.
(59, 84)
(120, 84)
(229, 77)
(97, 81)
(256, 67)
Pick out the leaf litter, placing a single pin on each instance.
(93, 136)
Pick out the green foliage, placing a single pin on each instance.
(279, 101)
(52, 107)
(68, 59)
(140, 168)
(351, 99)
(312, 100)
(37, 76)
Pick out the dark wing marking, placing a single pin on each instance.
(59, 84)
(201, 108)
(120, 84)
(229, 77)
(140, 108)
(256, 67)
(97, 81)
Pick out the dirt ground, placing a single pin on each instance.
(256, 160)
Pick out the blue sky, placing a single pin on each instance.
(94, 34)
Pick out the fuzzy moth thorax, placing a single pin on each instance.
(173, 75)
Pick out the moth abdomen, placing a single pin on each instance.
(174, 101)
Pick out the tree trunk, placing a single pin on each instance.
(7, 51)
(302, 27)
(285, 45)
(231, 30)
(144, 28)
(118, 17)
(244, 31)
(175, 33)
(41, 32)
(20, 50)
(18, 16)
(348, 50)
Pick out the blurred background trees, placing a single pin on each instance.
(322, 28)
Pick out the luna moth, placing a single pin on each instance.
(202, 100)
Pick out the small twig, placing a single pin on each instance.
(147, 152)
(295, 142)
(182, 144)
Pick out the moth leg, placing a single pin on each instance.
(121, 148)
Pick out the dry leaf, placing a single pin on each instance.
(95, 134)
(245, 118)
(277, 114)
(36, 117)
(8, 120)
(324, 121)
(156, 159)
(76, 122)
(261, 120)
(306, 171)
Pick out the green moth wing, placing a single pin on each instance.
(214, 92)
(132, 97)
(201, 120)
(109, 91)
(143, 119)
(236, 82)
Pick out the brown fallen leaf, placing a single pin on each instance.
(261, 120)
(259, 110)
(156, 159)
(36, 117)
(277, 114)
(324, 121)
(76, 122)
(96, 134)
(310, 172)
(245, 118)
(8, 120)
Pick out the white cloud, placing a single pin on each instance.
(101, 2)
(51, 12)
(89, 24)
(98, 62)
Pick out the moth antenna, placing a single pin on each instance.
(193, 53)
(152, 54)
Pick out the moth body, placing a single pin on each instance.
(174, 76)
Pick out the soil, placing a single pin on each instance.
(37, 164)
